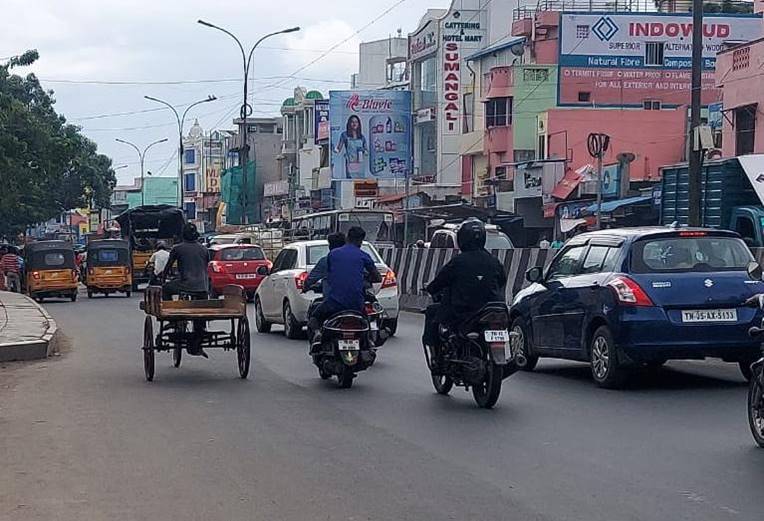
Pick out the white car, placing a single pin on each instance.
(280, 300)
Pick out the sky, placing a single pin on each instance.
(102, 56)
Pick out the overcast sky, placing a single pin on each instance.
(83, 41)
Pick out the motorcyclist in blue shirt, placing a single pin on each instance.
(348, 269)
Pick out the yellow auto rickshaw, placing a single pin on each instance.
(50, 270)
(109, 267)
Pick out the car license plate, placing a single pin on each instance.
(709, 315)
(349, 345)
(246, 276)
(497, 336)
(108, 272)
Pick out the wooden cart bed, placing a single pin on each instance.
(232, 305)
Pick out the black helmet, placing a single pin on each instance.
(471, 235)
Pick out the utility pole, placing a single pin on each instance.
(246, 108)
(598, 145)
(694, 148)
(142, 157)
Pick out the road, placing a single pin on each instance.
(84, 437)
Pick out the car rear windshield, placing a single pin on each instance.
(242, 254)
(497, 241)
(690, 254)
(316, 252)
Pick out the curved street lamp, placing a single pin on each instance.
(246, 108)
(142, 156)
(181, 120)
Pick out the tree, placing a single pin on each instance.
(46, 165)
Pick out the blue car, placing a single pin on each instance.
(631, 297)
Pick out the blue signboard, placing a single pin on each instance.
(715, 116)
(370, 134)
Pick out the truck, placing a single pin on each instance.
(728, 198)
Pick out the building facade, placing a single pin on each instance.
(382, 64)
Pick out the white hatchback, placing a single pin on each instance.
(280, 300)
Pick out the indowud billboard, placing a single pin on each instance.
(370, 134)
(623, 59)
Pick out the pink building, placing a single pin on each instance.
(740, 75)
(656, 138)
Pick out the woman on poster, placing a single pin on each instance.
(355, 147)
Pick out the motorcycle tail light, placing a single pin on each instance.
(628, 292)
(370, 308)
(216, 267)
(299, 280)
(389, 280)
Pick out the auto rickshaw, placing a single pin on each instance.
(50, 270)
(143, 226)
(109, 267)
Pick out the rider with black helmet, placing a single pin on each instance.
(468, 282)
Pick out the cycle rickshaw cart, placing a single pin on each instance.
(176, 331)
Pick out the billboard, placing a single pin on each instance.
(370, 134)
(627, 58)
(321, 121)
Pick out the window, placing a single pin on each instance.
(469, 113)
(189, 156)
(54, 259)
(190, 209)
(745, 124)
(654, 54)
(566, 263)
(396, 72)
(242, 254)
(582, 32)
(286, 260)
(584, 97)
(536, 75)
(542, 147)
(189, 182)
(741, 59)
(500, 172)
(599, 259)
(690, 254)
(439, 240)
(651, 104)
(315, 253)
(449, 242)
(521, 155)
(498, 112)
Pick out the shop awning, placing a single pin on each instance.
(568, 185)
(611, 206)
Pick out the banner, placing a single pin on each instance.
(321, 121)
(370, 134)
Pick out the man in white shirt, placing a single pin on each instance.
(159, 261)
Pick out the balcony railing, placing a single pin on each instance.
(633, 6)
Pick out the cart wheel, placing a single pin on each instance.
(148, 349)
(242, 346)
(177, 356)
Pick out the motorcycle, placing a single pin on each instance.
(346, 347)
(756, 385)
(475, 355)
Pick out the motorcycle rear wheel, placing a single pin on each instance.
(756, 409)
(486, 393)
(442, 383)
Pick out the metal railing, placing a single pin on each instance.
(531, 8)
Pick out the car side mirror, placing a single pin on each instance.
(754, 270)
(535, 275)
(264, 271)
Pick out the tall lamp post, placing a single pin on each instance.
(246, 108)
(181, 120)
(142, 156)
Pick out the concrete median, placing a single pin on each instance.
(27, 331)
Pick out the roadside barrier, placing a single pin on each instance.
(416, 267)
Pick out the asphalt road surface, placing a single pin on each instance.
(83, 437)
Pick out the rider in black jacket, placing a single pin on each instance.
(468, 282)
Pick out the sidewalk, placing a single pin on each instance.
(27, 332)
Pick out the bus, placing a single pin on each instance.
(378, 224)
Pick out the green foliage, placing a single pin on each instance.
(46, 165)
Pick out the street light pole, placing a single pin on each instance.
(246, 108)
(181, 120)
(142, 157)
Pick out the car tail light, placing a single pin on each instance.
(299, 280)
(692, 234)
(216, 267)
(628, 292)
(389, 280)
(36, 275)
(91, 271)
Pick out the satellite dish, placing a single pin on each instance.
(625, 157)
(518, 49)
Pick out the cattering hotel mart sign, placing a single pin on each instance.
(623, 40)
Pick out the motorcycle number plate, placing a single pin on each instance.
(497, 336)
(349, 345)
